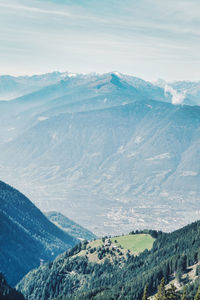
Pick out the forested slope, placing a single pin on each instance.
(8, 293)
(27, 237)
(72, 276)
(69, 226)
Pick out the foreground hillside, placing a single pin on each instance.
(70, 226)
(75, 276)
(8, 293)
(104, 149)
(103, 255)
(27, 236)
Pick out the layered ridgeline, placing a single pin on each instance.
(109, 151)
(118, 268)
(27, 236)
(185, 92)
(70, 226)
(7, 292)
(12, 87)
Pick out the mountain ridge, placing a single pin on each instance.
(27, 236)
(70, 226)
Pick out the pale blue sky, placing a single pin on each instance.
(146, 38)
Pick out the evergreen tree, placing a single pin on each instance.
(179, 276)
(197, 296)
(184, 296)
(161, 295)
(171, 293)
(145, 295)
(198, 270)
(182, 264)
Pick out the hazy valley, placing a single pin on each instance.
(105, 150)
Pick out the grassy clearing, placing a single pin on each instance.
(136, 243)
(117, 247)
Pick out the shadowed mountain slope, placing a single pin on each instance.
(27, 236)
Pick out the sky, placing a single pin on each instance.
(146, 38)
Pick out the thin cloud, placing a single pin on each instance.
(148, 38)
(35, 10)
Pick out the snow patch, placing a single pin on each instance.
(160, 156)
(121, 149)
(105, 100)
(164, 194)
(163, 173)
(131, 154)
(189, 173)
(10, 129)
(54, 135)
(42, 118)
(117, 73)
(64, 75)
(138, 140)
(95, 154)
(72, 75)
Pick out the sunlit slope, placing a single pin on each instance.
(135, 243)
(119, 247)
(70, 226)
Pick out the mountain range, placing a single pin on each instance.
(12, 87)
(110, 151)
